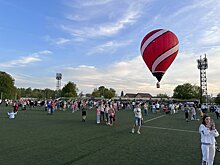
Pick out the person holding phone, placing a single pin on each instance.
(208, 134)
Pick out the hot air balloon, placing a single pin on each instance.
(159, 48)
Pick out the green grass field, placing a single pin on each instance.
(63, 139)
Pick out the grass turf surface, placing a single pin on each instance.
(62, 139)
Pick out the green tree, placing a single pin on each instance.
(96, 93)
(217, 99)
(7, 88)
(28, 92)
(69, 90)
(58, 93)
(160, 95)
(48, 93)
(36, 93)
(108, 94)
(187, 91)
(103, 92)
(113, 92)
(21, 92)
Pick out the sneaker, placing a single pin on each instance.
(138, 132)
(132, 131)
(204, 162)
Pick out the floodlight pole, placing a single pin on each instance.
(58, 84)
(202, 66)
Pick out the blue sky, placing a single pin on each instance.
(97, 42)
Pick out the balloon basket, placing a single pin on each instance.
(158, 85)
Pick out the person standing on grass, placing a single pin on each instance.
(208, 134)
(137, 120)
(48, 107)
(73, 106)
(157, 105)
(98, 112)
(145, 109)
(193, 113)
(83, 109)
(217, 111)
(15, 106)
(186, 110)
(111, 115)
(172, 108)
(153, 108)
(106, 109)
(52, 107)
(102, 114)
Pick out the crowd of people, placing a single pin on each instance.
(106, 113)
(192, 110)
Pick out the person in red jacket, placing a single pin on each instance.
(52, 107)
(15, 107)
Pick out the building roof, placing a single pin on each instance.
(130, 95)
(138, 95)
(144, 95)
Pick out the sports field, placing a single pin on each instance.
(63, 139)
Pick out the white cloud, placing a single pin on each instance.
(110, 47)
(196, 24)
(194, 7)
(211, 36)
(25, 60)
(130, 76)
(75, 17)
(86, 3)
(26, 81)
(95, 2)
(104, 29)
(61, 41)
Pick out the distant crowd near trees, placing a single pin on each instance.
(9, 91)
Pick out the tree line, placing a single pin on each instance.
(8, 90)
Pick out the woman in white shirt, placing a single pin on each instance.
(208, 133)
(137, 120)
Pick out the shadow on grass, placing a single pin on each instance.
(81, 157)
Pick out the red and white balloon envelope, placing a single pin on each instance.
(159, 48)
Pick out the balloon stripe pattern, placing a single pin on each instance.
(159, 48)
(163, 57)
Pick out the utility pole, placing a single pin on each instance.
(202, 66)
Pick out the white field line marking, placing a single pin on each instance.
(170, 129)
(154, 118)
